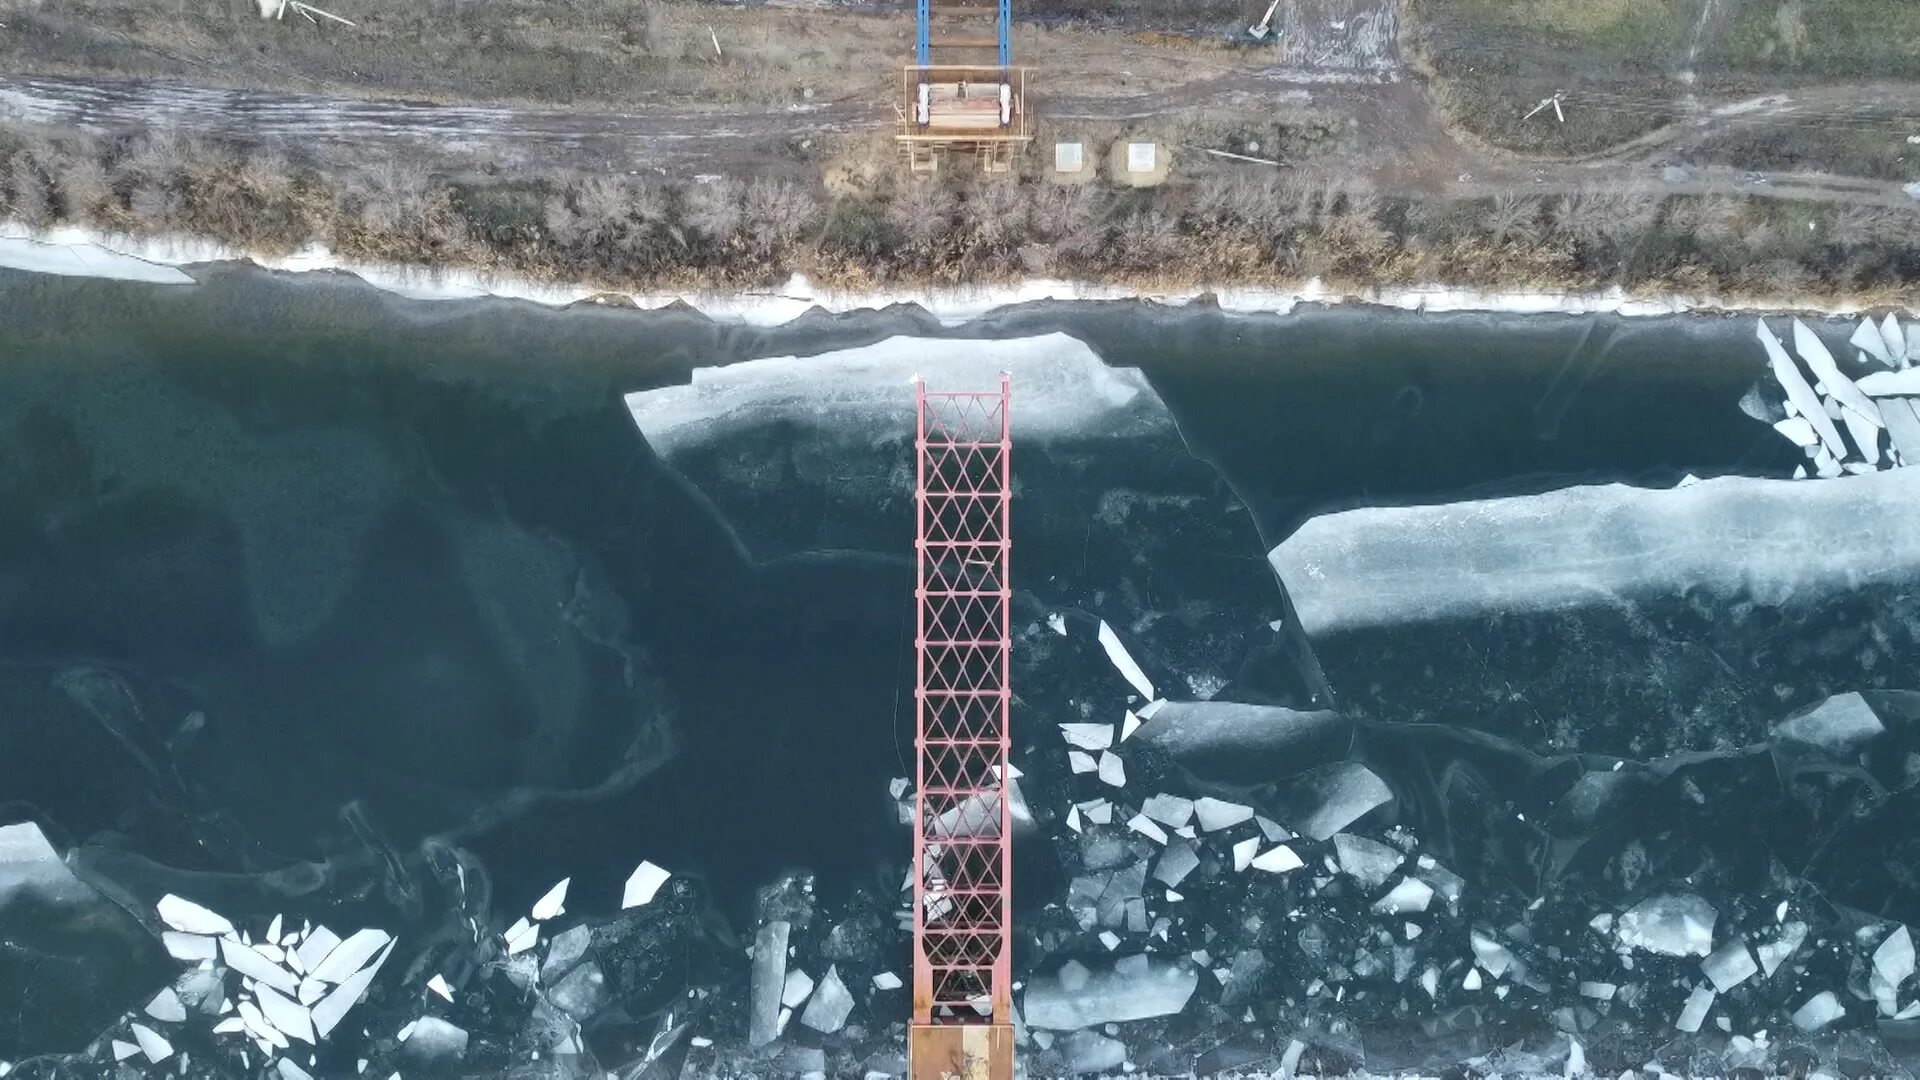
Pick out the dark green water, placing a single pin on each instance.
(297, 577)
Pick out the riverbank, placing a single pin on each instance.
(83, 252)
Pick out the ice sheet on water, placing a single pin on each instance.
(1091, 1052)
(1671, 924)
(1383, 566)
(1158, 987)
(1841, 725)
(1061, 388)
(1123, 661)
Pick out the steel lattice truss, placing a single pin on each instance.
(962, 846)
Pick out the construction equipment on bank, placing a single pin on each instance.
(961, 92)
(962, 826)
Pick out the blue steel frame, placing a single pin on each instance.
(1006, 29)
(921, 49)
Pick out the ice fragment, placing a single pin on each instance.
(288, 1017)
(1729, 965)
(1672, 924)
(246, 961)
(1776, 952)
(438, 984)
(553, 904)
(188, 917)
(1080, 763)
(1176, 863)
(1139, 823)
(333, 1008)
(1123, 661)
(1113, 771)
(1409, 896)
(831, 1004)
(798, 985)
(1695, 1010)
(1867, 338)
(1278, 861)
(349, 956)
(642, 884)
(886, 980)
(1367, 861)
(1136, 988)
(1215, 814)
(1820, 362)
(152, 1044)
(1088, 736)
(166, 1006)
(1819, 1011)
(1244, 851)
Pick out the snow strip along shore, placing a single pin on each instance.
(72, 251)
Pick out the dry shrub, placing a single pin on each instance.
(922, 215)
(29, 195)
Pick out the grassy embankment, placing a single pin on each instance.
(1241, 228)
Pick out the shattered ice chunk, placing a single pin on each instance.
(1058, 623)
(1325, 800)
(1113, 771)
(1820, 362)
(1244, 851)
(1672, 924)
(1367, 861)
(152, 1044)
(1798, 431)
(189, 946)
(1410, 896)
(289, 1017)
(433, 1039)
(798, 985)
(290, 1071)
(1490, 954)
(1123, 661)
(1080, 763)
(1130, 724)
(643, 883)
(1278, 861)
(1135, 988)
(1088, 736)
(1139, 823)
(1110, 939)
(1819, 1011)
(1694, 1012)
(245, 960)
(1091, 1052)
(1841, 725)
(1798, 392)
(123, 1050)
(166, 1006)
(188, 917)
(1898, 343)
(347, 957)
(831, 1004)
(1215, 815)
(438, 984)
(320, 941)
(553, 904)
(1175, 864)
(1099, 811)
(1892, 383)
(886, 980)
(1778, 951)
(1892, 965)
(1598, 991)
(521, 936)
(333, 1008)
(1867, 338)
(1169, 810)
(1729, 965)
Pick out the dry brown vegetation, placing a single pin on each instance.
(1227, 228)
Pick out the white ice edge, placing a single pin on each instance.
(75, 251)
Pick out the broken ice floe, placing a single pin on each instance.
(1882, 398)
(1388, 566)
(553, 904)
(294, 985)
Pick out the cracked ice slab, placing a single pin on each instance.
(1672, 924)
(1799, 392)
(1839, 387)
(1383, 566)
(1064, 389)
(1135, 988)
